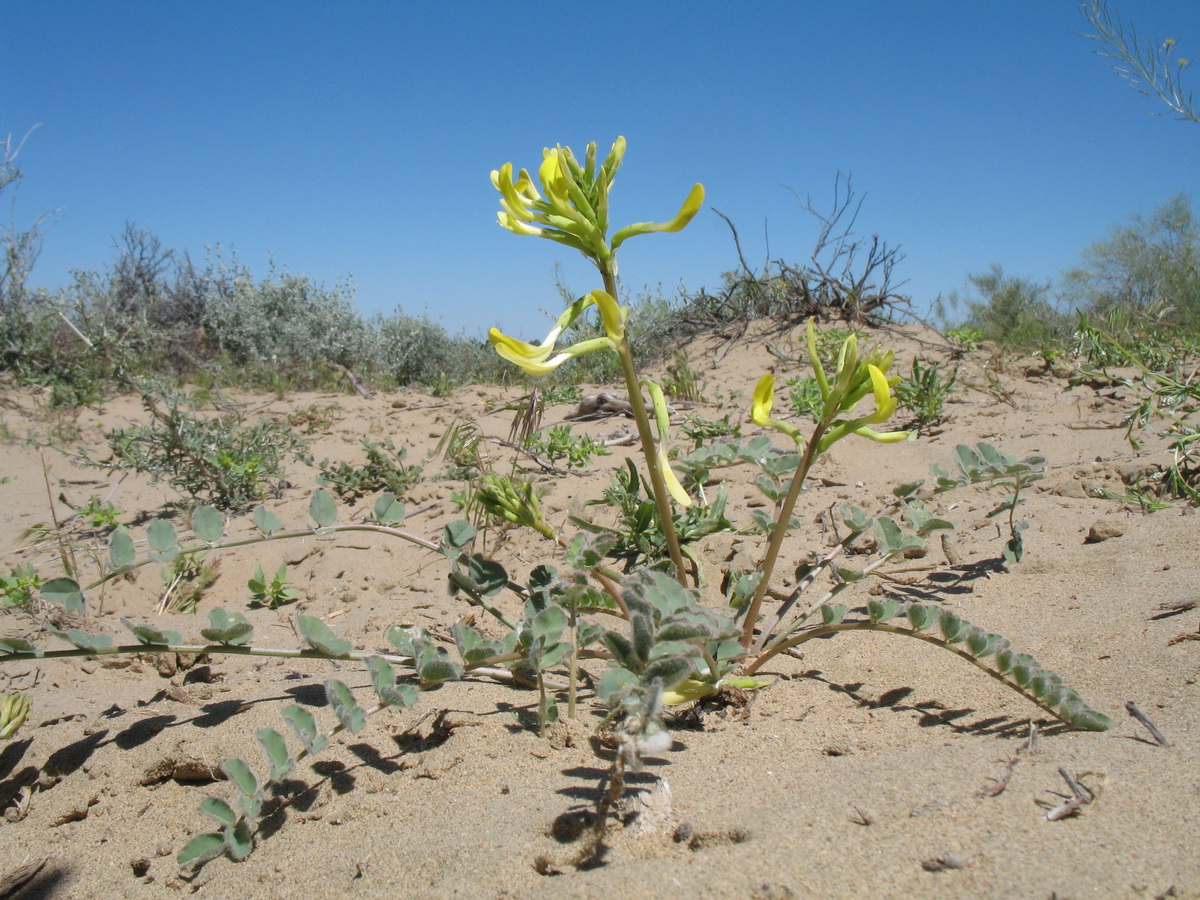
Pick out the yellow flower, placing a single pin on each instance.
(760, 410)
(572, 207)
(663, 421)
(541, 359)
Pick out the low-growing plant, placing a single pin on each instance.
(561, 444)
(224, 461)
(703, 431)
(186, 577)
(20, 586)
(384, 470)
(1167, 392)
(683, 382)
(274, 592)
(924, 393)
(637, 641)
(964, 338)
(14, 708)
(98, 514)
(314, 417)
(805, 396)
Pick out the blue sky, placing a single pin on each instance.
(355, 139)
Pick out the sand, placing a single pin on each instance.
(873, 766)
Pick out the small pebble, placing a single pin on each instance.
(1103, 529)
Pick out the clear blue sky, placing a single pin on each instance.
(357, 138)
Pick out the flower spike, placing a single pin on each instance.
(572, 207)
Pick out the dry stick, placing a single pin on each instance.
(349, 376)
(1141, 717)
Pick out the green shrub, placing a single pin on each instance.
(224, 461)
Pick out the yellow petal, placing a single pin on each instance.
(888, 437)
(764, 399)
(760, 409)
(673, 486)
(687, 212)
(662, 420)
(613, 314)
(883, 393)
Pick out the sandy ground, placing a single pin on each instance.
(862, 764)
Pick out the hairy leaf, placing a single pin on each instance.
(383, 677)
(17, 645)
(239, 840)
(833, 613)
(147, 634)
(164, 543)
(201, 848)
(227, 628)
(276, 751)
(219, 811)
(240, 774)
(388, 510)
(121, 552)
(266, 521)
(305, 726)
(208, 523)
(322, 509)
(319, 636)
(65, 592)
(344, 706)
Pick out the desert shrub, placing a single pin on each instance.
(1147, 270)
(1012, 312)
(286, 324)
(225, 461)
(1166, 395)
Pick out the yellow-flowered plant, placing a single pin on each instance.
(856, 377)
(572, 209)
(675, 650)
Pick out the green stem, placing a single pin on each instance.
(333, 529)
(662, 499)
(826, 630)
(767, 567)
(212, 649)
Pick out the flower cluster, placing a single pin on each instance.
(855, 378)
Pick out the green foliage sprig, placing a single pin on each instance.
(924, 393)
(384, 470)
(222, 461)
